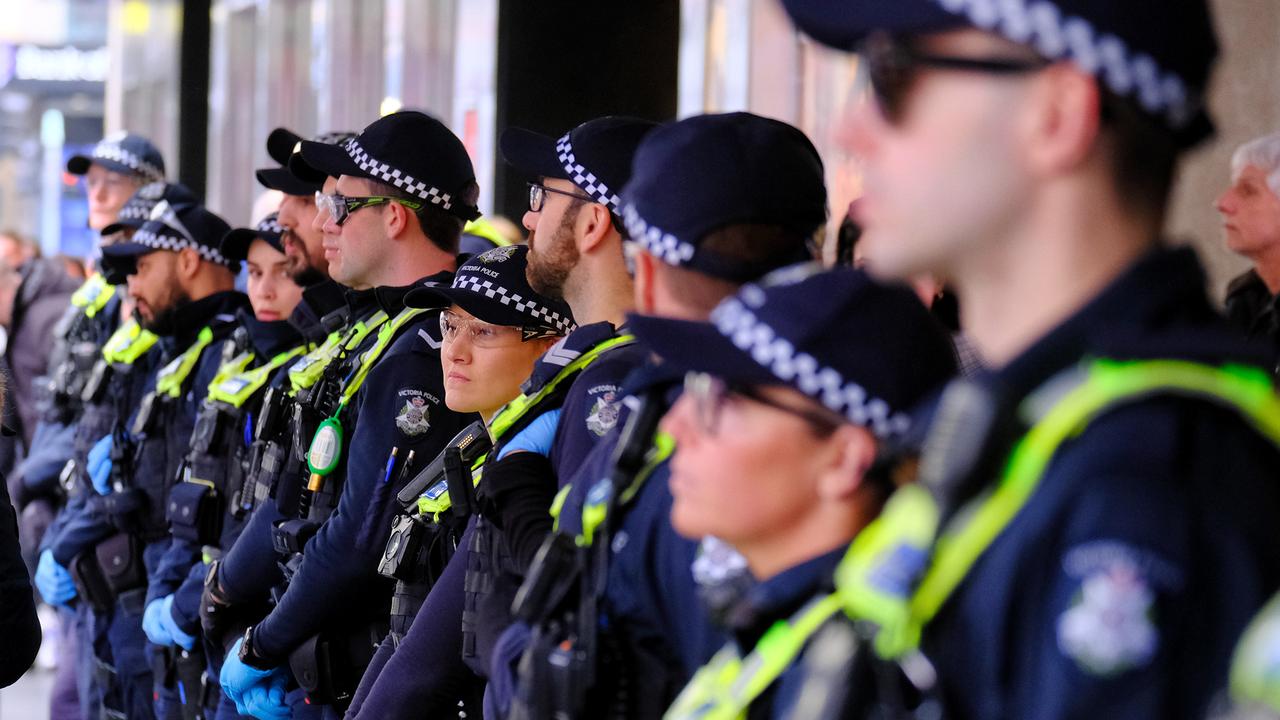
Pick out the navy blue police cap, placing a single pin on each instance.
(706, 172)
(137, 209)
(177, 227)
(235, 244)
(408, 149)
(295, 178)
(125, 153)
(1156, 53)
(492, 286)
(867, 352)
(596, 156)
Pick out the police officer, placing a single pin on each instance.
(781, 464)
(575, 254)
(209, 506)
(1107, 489)
(405, 188)
(738, 195)
(183, 290)
(495, 330)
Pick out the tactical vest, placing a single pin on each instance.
(78, 337)
(220, 446)
(900, 570)
(492, 576)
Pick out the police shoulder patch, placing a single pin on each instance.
(1108, 627)
(604, 410)
(413, 417)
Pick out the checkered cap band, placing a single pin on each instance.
(270, 225)
(659, 243)
(493, 291)
(801, 370)
(584, 178)
(115, 153)
(1040, 24)
(175, 242)
(396, 177)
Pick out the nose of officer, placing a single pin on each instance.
(679, 421)
(1226, 202)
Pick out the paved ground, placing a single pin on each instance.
(27, 699)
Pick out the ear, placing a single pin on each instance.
(594, 225)
(1067, 118)
(188, 263)
(396, 219)
(645, 282)
(851, 451)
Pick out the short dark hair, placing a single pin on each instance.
(1143, 154)
(745, 243)
(441, 227)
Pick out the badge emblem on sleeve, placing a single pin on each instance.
(415, 417)
(1108, 628)
(603, 415)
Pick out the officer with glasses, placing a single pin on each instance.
(364, 417)
(1094, 518)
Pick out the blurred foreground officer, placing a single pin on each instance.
(791, 388)
(183, 288)
(405, 187)
(1250, 211)
(714, 201)
(18, 623)
(1107, 491)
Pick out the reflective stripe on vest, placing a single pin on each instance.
(386, 333)
(485, 229)
(876, 578)
(1255, 669)
(171, 377)
(128, 343)
(234, 384)
(726, 686)
(514, 411)
(310, 367)
(596, 506)
(93, 295)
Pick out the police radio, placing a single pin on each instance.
(469, 445)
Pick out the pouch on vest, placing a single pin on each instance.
(195, 512)
(143, 421)
(120, 558)
(124, 508)
(328, 666)
(270, 414)
(209, 429)
(291, 536)
(90, 582)
(554, 572)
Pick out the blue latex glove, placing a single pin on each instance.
(171, 625)
(536, 437)
(53, 581)
(238, 678)
(266, 701)
(99, 465)
(153, 624)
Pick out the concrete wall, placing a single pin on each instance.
(1245, 100)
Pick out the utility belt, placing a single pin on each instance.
(186, 671)
(109, 570)
(328, 666)
(196, 505)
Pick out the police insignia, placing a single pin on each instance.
(415, 417)
(603, 415)
(496, 255)
(1108, 628)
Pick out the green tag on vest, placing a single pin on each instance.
(326, 447)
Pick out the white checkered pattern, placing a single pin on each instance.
(400, 179)
(270, 225)
(1042, 25)
(175, 243)
(115, 153)
(662, 245)
(584, 178)
(748, 333)
(540, 313)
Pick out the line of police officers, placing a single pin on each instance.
(739, 485)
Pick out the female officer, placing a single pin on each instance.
(494, 330)
(791, 389)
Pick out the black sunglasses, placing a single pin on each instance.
(893, 64)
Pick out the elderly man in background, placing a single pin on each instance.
(1250, 210)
